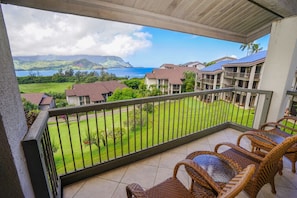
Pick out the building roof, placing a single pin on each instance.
(248, 60)
(224, 59)
(94, 90)
(38, 98)
(214, 68)
(173, 73)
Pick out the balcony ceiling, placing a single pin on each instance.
(235, 20)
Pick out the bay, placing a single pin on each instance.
(132, 72)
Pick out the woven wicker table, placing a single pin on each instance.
(220, 168)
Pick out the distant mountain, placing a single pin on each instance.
(77, 62)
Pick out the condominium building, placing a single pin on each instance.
(243, 73)
(168, 79)
(210, 77)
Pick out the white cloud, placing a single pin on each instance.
(33, 32)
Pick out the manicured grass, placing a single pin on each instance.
(45, 87)
(169, 120)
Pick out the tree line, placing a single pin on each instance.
(68, 76)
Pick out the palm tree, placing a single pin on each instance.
(256, 48)
(247, 46)
(251, 47)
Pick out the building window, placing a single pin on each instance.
(87, 100)
(81, 100)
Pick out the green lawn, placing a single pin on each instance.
(45, 87)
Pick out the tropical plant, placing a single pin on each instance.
(189, 82)
(251, 47)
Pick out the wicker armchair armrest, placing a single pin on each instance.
(135, 190)
(240, 149)
(255, 134)
(237, 183)
(200, 171)
(277, 125)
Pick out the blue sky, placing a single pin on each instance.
(178, 48)
(35, 32)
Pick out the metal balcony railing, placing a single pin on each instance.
(78, 142)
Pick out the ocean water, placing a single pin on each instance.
(133, 72)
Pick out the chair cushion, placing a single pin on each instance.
(171, 187)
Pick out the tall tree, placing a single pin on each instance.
(189, 82)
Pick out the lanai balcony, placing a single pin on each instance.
(77, 156)
(85, 150)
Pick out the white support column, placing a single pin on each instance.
(14, 180)
(280, 65)
(250, 86)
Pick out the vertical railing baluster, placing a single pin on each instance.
(153, 124)
(121, 128)
(195, 114)
(71, 143)
(90, 141)
(187, 115)
(61, 145)
(238, 108)
(158, 135)
(134, 126)
(191, 116)
(199, 125)
(164, 123)
(128, 128)
(204, 112)
(98, 136)
(105, 132)
(178, 122)
(50, 164)
(169, 113)
(233, 104)
(215, 112)
(113, 134)
(174, 119)
(140, 107)
(147, 126)
(80, 140)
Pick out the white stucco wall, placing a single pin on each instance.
(14, 126)
(280, 65)
(73, 100)
(150, 82)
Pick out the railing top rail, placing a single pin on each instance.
(36, 130)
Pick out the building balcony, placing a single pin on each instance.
(241, 75)
(208, 81)
(95, 149)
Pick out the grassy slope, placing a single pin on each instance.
(45, 87)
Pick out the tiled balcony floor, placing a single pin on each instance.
(153, 170)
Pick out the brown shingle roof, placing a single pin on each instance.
(94, 90)
(174, 74)
(47, 100)
(38, 98)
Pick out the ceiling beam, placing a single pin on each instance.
(284, 8)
